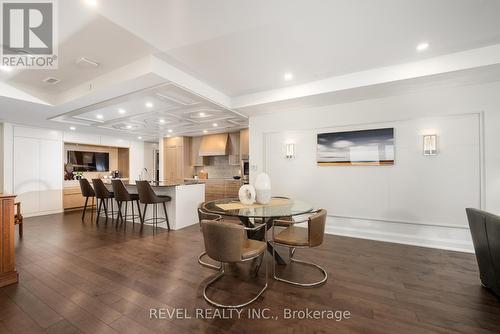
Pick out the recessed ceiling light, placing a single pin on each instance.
(202, 114)
(129, 126)
(168, 136)
(149, 104)
(288, 76)
(122, 111)
(205, 131)
(422, 46)
(162, 121)
(139, 137)
(99, 116)
(92, 3)
(170, 130)
(72, 128)
(215, 124)
(6, 69)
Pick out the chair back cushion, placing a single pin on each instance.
(146, 193)
(316, 228)
(223, 241)
(202, 215)
(121, 193)
(86, 188)
(485, 231)
(100, 189)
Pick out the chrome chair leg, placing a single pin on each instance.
(206, 264)
(305, 285)
(218, 276)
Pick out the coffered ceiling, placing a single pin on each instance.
(163, 110)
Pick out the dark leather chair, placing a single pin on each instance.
(87, 192)
(122, 195)
(18, 218)
(148, 196)
(485, 230)
(103, 195)
(296, 237)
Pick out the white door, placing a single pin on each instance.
(51, 175)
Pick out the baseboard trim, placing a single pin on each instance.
(42, 213)
(439, 237)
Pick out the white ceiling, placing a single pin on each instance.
(232, 54)
(242, 47)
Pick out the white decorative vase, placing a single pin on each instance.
(247, 194)
(263, 188)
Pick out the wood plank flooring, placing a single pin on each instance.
(76, 277)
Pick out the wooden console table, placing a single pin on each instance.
(8, 273)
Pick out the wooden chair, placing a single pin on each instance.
(18, 218)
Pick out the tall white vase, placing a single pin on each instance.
(263, 188)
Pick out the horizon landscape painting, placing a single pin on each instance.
(373, 147)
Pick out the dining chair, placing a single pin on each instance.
(18, 218)
(87, 192)
(203, 215)
(226, 243)
(122, 195)
(103, 195)
(148, 196)
(298, 237)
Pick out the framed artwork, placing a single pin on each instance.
(364, 147)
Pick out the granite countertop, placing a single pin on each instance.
(159, 184)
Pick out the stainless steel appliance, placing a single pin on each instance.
(245, 171)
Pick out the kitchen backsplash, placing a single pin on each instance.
(219, 167)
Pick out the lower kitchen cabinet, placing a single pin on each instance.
(221, 188)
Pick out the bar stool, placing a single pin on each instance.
(103, 195)
(122, 195)
(87, 192)
(148, 196)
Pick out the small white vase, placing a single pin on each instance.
(246, 194)
(263, 188)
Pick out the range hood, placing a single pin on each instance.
(212, 145)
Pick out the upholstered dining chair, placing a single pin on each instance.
(227, 243)
(297, 237)
(87, 192)
(203, 215)
(122, 195)
(103, 195)
(18, 218)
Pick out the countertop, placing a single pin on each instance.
(159, 184)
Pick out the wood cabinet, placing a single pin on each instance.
(177, 159)
(8, 273)
(196, 159)
(72, 198)
(244, 144)
(234, 148)
(221, 188)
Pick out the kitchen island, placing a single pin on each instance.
(182, 209)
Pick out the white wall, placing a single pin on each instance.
(421, 200)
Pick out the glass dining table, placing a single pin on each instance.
(251, 215)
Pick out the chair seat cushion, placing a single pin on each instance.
(161, 199)
(293, 236)
(252, 248)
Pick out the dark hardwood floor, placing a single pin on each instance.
(79, 277)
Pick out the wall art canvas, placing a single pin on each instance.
(363, 147)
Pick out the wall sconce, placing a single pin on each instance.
(430, 144)
(290, 151)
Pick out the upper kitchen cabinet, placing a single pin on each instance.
(196, 159)
(177, 159)
(234, 148)
(244, 144)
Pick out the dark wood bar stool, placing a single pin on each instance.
(103, 195)
(122, 195)
(87, 192)
(148, 196)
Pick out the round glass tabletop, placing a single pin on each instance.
(278, 207)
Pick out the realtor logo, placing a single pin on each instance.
(28, 34)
